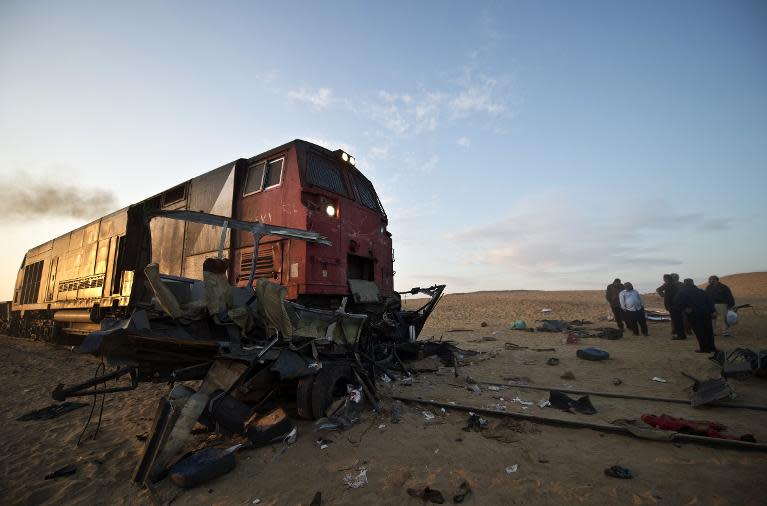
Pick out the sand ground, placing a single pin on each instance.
(555, 465)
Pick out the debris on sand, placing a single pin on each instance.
(619, 472)
(358, 480)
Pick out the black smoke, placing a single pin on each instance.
(30, 198)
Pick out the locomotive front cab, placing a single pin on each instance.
(305, 186)
(342, 204)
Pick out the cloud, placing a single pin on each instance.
(463, 142)
(414, 112)
(319, 99)
(33, 197)
(476, 99)
(554, 232)
(407, 213)
(378, 152)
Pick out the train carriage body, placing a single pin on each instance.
(71, 282)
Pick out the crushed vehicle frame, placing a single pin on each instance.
(242, 342)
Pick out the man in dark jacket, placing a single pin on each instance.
(700, 308)
(611, 294)
(668, 291)
(723, 301)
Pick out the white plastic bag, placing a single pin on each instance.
(732, 317)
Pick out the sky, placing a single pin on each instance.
(514, 145)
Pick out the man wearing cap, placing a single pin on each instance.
(611, 294)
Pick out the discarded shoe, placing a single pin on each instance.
(427, 495)
(619, 472)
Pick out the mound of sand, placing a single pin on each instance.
(747, 285)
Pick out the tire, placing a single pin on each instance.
(329, 385)
(304, 397)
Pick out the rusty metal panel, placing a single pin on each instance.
(91, 233)
(76, 239)
(167, 245)
(69, 265)
(193, 265)
(88, 259)
(102, 256)
(110, 282)
(126, 283)
(210, 193)
(39, 250)
(60, 245)
(114, 224)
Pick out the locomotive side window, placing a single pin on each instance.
(273, 173)
(255, 178)
(326, 175)
(367, 194)
(175, 194)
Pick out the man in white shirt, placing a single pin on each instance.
(633, 309)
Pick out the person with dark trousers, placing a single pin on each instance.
(723, 301)
(611, 294)
(697, 304)
(685, 317)
(633, 309)
(668, 291)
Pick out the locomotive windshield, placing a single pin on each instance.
(330, 176)
(327, 175)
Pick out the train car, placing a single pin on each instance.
(67, 285)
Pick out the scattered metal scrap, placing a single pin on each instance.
(709, 391)
(245, 344)
(577, 424)
(741, 363)
(524, 385)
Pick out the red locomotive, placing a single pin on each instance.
(66, 286)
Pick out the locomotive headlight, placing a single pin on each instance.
(330, 210)
(352, 161)
(344, 156)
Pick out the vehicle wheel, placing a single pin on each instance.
(304, 397)
(329, 385)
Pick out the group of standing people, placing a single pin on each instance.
(690, 307)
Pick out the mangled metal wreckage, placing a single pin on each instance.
(245, 344)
